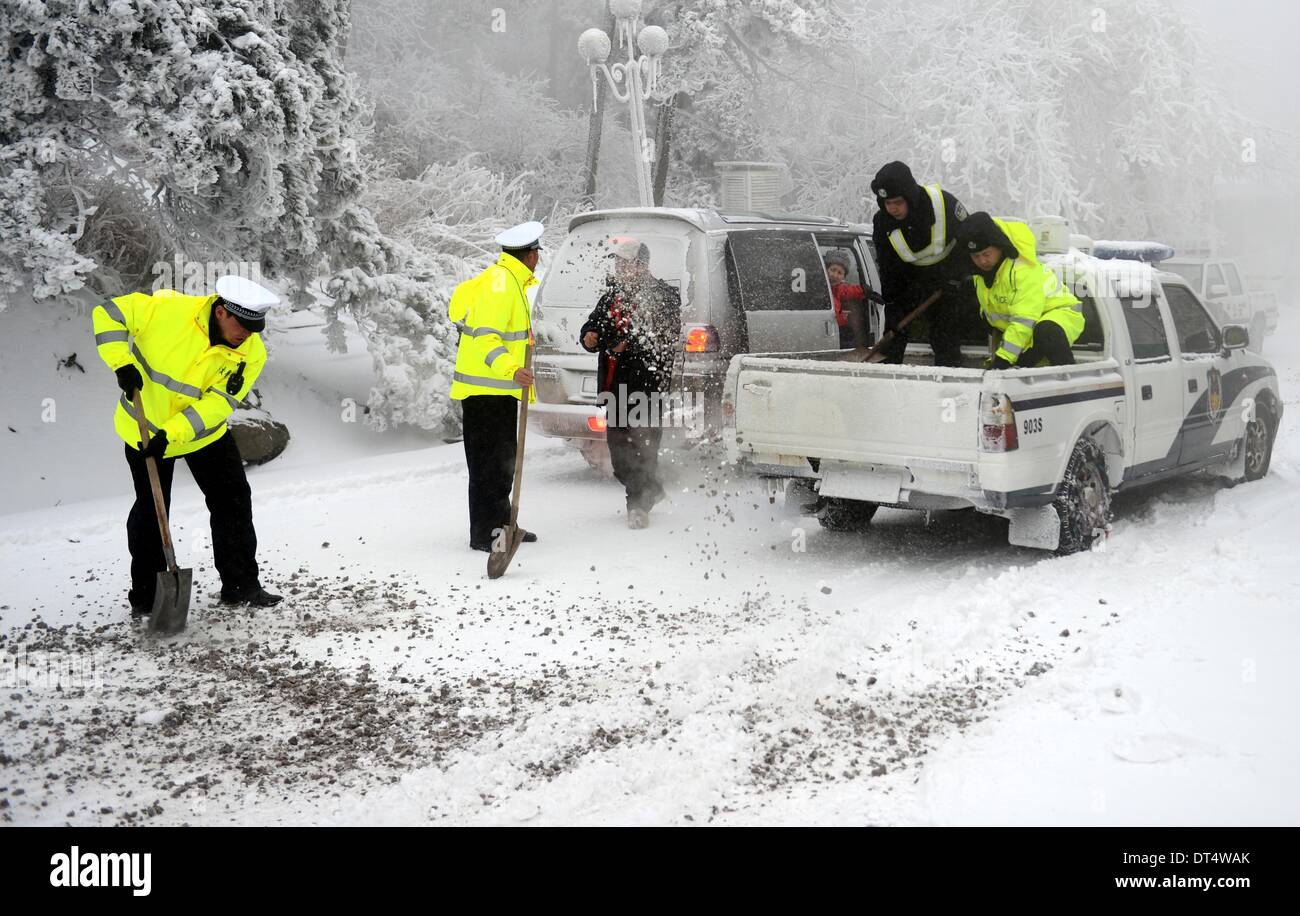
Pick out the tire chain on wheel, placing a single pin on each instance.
(1071, 539)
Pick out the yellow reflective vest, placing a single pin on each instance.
(495, 322)
(1025, 293)
(187, 384)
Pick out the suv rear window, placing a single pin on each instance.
(778, 271)
(576, 277)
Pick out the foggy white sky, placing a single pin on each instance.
(1259, 44)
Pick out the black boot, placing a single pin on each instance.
(256, 596)
(486, 546)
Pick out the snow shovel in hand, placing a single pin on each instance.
(867, 356)
(171, 596)
(507, 541)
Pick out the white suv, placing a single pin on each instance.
(748, 283)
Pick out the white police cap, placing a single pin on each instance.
(523, 237)
(246, 300)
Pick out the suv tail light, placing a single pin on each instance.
(997, 424)
(596, 424)
(703, 338)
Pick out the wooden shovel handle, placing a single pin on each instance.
(519, 446)
(889, 335)
(160, 505)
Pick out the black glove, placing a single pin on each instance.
(128, 379)
(157, 446)
(1000, 363)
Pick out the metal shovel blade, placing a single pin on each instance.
(499, 560)
(171, 601)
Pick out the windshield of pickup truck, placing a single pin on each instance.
(1189, 272)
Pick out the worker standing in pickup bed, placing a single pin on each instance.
(1037, 317)
(914, 233)
(635, 328)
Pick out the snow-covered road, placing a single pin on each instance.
(706, 670)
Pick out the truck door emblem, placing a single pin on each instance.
(1215, 380)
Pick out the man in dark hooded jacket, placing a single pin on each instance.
(635, 328)
(914, 233)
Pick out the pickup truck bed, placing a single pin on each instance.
(910, 435)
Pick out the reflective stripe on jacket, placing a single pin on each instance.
(495, 321)
(1024, 293)
(940, 244)
(165, 336)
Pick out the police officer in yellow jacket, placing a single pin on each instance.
(1037, 317)
(495, 321)
(193, 359)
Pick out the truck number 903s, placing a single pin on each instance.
(1033, 425)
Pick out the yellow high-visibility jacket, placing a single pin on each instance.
(1025, 293)
(495, 321)
(165, 335)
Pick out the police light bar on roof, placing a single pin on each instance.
(1150, 252)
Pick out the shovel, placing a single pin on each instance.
(505, 545)
(866, 356)
(171, 597)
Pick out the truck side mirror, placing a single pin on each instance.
(1218, 290)
(1235, 337)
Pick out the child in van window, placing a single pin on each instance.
(842, 293)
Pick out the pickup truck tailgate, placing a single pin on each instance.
(802, 407)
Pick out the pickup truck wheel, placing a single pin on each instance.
(845, 514)
(1083, 499)
(1258, 444)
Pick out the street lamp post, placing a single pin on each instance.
(631, 81)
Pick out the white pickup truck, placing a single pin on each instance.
(1159, 389)
(1218, 281)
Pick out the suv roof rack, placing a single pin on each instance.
(754, 216)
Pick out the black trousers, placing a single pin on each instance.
(1049, 343)
(943, 321)
(634, 453)
(219, 472)
(491, 424)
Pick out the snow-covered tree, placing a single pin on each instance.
(402, 253)
(1106, 116)
(133, 131)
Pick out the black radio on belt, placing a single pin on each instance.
(236, 381)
